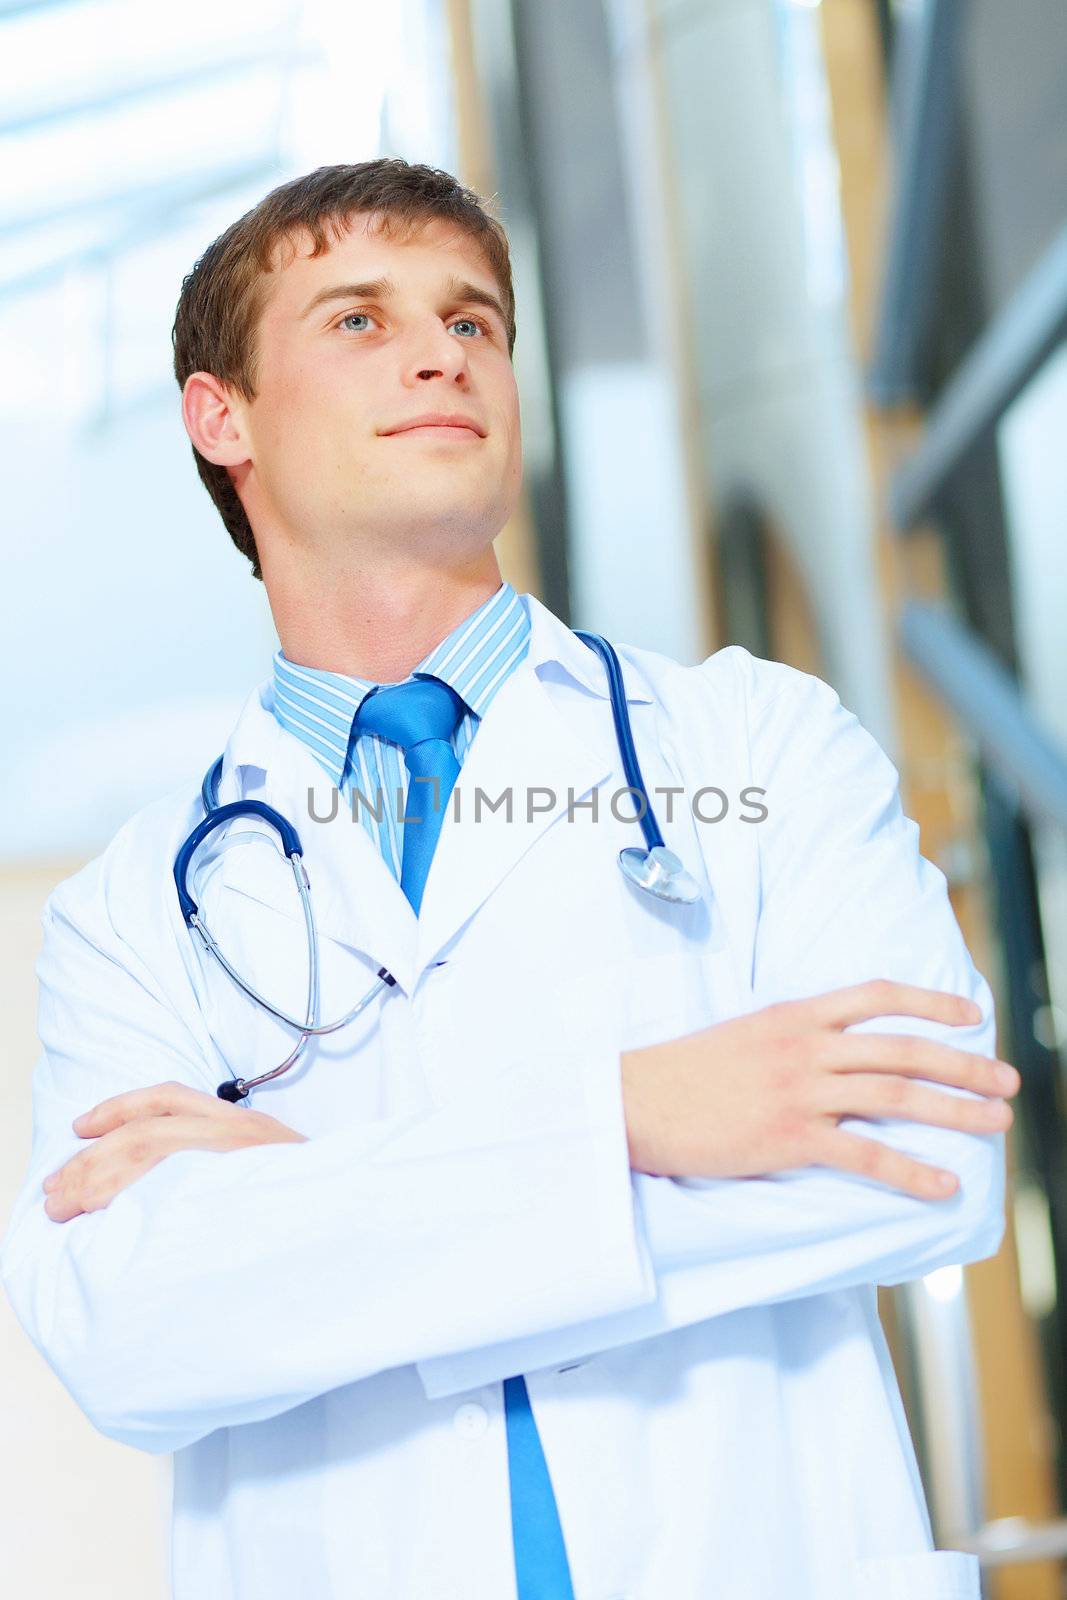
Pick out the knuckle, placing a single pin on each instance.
(789, 1133)
(776, 1015)
(870, 1160)
(896, 1093)
(138, 1146)
(969, 1116)
(789, 1052)
(966, 1115)
(995, 1114)
(785, 1086)
(983, 1075)
(912, 1050)
(914, 1179)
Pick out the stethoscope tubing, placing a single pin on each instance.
(624, 734)
(217, 816)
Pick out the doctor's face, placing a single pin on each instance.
(356, 344)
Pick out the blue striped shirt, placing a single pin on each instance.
(319, 708)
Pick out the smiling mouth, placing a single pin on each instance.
(437, 427)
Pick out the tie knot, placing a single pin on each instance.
(409, 713)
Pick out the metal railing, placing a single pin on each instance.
(1023, 765)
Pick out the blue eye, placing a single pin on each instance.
(473, 322)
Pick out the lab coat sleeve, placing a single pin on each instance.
(226, 1287)
(845, 896)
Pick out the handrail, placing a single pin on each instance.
(966, 674)
(1013, 348)
(926, 55)
(1011, 1541)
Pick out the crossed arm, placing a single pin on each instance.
(152, 1307)
(757, 1095)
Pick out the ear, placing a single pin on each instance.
(214, 420)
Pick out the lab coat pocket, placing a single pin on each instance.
(919, 1575)
(664, 996)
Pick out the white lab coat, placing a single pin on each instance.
(320, 1330)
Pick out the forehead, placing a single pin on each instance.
(359, 248)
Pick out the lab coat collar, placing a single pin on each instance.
(553, 643)
(524, 743)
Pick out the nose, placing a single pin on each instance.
(438, 354)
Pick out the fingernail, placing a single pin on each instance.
(1007, 1077)
(946, 1182)
(49, 1182)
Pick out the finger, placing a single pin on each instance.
(881, 997)
(912, 1056)
(88, 1180)
(878, 1095)
(61, 1207)
(146, 1136)
(869, 1158)
(158, 1100)
(79, 1186)
(92, 1178)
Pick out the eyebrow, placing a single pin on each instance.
(457, 289)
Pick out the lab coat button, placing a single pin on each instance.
(471, 1420)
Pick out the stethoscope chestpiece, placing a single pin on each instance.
(655, 870)
(659, 873)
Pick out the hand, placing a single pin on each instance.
(133, 1131)
(765, 1092)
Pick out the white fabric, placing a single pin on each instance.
(319, 1331)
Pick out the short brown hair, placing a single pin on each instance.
(222, 298)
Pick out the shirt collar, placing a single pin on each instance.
(257, 737)
(474, 659)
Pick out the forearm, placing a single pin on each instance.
(721, 1244)
(226, 1287)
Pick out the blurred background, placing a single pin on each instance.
(813, 257)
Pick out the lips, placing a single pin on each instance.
(438, 419)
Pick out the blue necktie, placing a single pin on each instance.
(421, 716)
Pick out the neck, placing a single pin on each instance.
(376, 622)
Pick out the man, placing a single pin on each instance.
(553, 1274)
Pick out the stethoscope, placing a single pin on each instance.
(655, 870)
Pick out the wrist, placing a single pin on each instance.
(636, 1070)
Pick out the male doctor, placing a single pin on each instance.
(554, 1273)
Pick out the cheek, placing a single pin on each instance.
(514, 444)
(307, 417)
(310, 396)
(512, 418)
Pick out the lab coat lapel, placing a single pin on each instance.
(523, 747)
(355, 898)
(524, 744)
